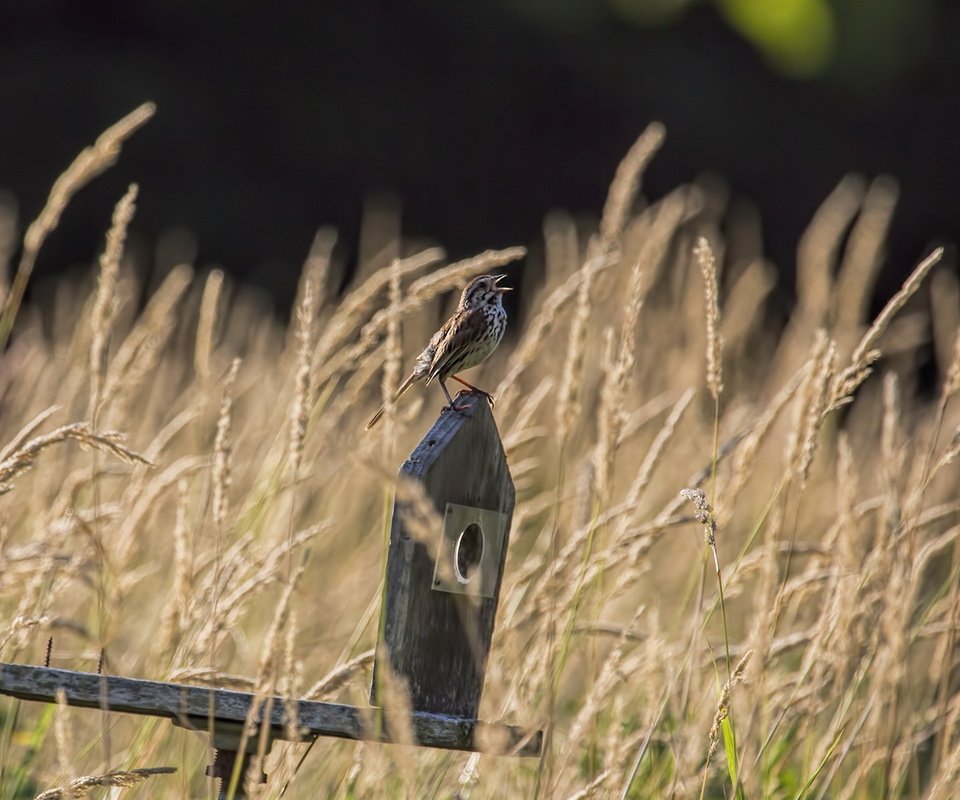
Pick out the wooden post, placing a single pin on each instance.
(441, 589)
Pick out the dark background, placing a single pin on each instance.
(275, 118)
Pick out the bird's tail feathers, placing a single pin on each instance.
(400, 392)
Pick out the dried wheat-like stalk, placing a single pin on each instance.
(338, 677)
(27, 430)
(207, 324)
(708, 268)
(291, 680)
(529, 346)
(626, 182)
(248, 577)
(393, 354)
(138, 355)
(745, 305)
(175, 611)
(723, 706)
(944, 292)
(627, 338)
(271, 650)
(599, 695)
(21, 624)
(631, 542)
(316, 268)
(863, 256)
(104, 307)
(813, 403)
(359, 302)
(222, 448)
(594, 788)
(394, 690)
(568, 400)
(333, 361)
(820, 244)
(61, 734)
(469, 777)
(82, 787)
(349, 396)
(703, 513)
(951, 383)
(142, 496)
(865, 353)
(207, 676)
(609, 417)
(616, 384)
(890, 432)
(8, 241)
(271, 658)
(455, 275)
(561, 245)
(945, 785)
(88, 165)
(300, 407)
(522, 429)
(950, 455)
(108, 442)
(749, 447)
(419, 515)
(168, 432)
(657, 447)
(890, 667)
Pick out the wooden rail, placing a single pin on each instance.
(190, 707)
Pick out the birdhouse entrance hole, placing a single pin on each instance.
(472, 545)
(469, 552)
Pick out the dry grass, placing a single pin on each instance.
(82, 787)
(826, 478)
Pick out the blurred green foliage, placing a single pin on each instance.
(797, 37)
(859, 43)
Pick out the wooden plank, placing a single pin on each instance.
(438, 641)
(190, 706)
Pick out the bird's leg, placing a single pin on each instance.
(473, 388)
(454, 406)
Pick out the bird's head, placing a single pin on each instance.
(482, 291)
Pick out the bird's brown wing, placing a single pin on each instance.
(459, 334)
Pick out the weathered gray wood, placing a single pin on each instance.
(190, 706)
(439, 641)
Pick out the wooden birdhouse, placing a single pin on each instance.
(443, 582)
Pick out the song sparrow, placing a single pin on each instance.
(465, 340)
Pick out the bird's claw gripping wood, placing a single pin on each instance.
(490, 398)
(468, 392)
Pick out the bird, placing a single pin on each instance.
(463, 341)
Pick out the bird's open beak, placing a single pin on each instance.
(502, 289)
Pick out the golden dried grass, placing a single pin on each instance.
(834, 528)
(121, 779)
